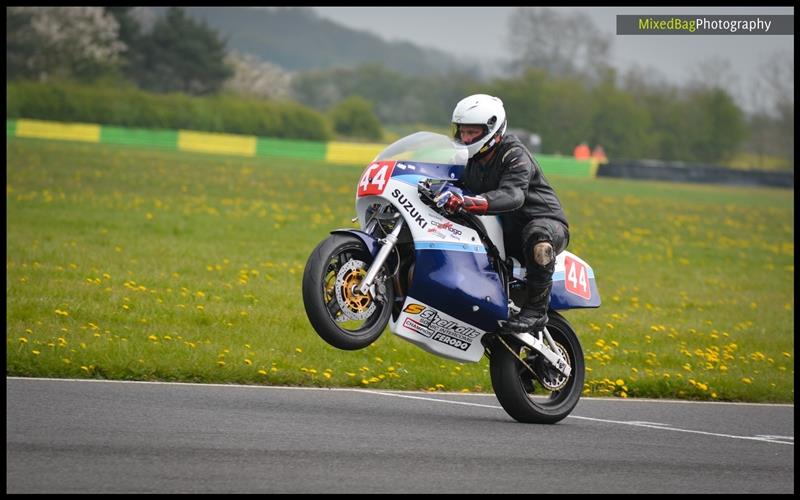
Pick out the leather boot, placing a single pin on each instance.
(533, 316)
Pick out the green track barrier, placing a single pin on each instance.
(167, 139)
(566, 166)
(308, 150)
(11, 128)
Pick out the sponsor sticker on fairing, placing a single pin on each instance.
(408, 206)
(437, 326)
(444, 228)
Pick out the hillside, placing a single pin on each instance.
(297, 39)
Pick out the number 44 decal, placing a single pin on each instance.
(576, 278)
(375, 177)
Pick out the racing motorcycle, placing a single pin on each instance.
(443, 282)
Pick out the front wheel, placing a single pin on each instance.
(339, 313)
(533, 391)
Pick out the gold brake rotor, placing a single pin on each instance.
(353, 305)
(352, 297)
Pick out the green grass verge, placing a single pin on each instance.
(126, 263)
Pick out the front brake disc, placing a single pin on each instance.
(353, 304)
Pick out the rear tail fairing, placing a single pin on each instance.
(574, 284)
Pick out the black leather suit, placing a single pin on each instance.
(516, 189)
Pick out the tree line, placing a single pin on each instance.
(554, 87)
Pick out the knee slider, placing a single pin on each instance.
(543, 253)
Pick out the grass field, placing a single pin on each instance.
(126, 263)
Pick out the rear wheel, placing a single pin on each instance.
(533, 391)
(339, 313)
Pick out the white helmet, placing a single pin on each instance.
(483, 110)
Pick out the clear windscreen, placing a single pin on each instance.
(426, 147)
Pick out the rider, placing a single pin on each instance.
(508, 182)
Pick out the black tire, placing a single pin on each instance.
(521, 394)
(320, 294)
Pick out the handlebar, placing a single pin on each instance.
(426, 190)
(429, 189)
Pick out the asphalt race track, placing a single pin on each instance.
(71, 436)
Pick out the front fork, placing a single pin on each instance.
(387, 244)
